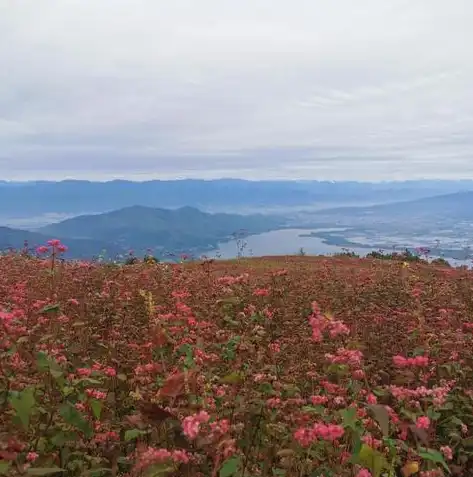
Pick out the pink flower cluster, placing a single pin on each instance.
(229, 280)
(438, 393)
(447, 452)
(320, 323)
(191, 424)
(54, 246)
(432, 473)
(328, 432)
(152, 456)
(107, 370)
(96, 394)
(351, 357)
(149, 368)
(364, 473)
(261, 292)
(416, 362)
(423, 422)
(468, 327)
(318, 400)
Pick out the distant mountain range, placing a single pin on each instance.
(456, 206)
(72, 197)
(143, 229)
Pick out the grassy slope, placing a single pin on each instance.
(252, 359)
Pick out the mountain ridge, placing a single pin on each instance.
(459, 203)
(82, 196)
(144, 229)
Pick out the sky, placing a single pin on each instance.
(256, 89)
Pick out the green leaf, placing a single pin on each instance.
(134, 434)
(4, 467)
(24, 404)
(59, 439)
(357, 444)
(372, 460)
(56, 373)
(42, 361)
(381, 416)
(314, 409)
(158, 470)
(99, 471)
(46, 363)
(434, 456)
(230, 467)
(50, 308)
(73, 417)
(349, 418)
(44, 470)
(232, 378)
(96, 407)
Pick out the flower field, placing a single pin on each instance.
(292, 366)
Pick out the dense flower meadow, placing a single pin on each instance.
(292, 366)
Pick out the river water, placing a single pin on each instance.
(290, 242)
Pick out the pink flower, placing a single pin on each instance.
(152, 456)
(371, 399)
(447, 452)
(418, 361)
(275, 347)
(32, 456)
(42, 249)
(364, 473)
(84, 372)
(328, 432)
(423, 422)
(191, 424)
(274, 403)
(318, 400)
(96, 394)
(358, 374)
(261, 292)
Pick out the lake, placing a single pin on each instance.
(289, 242)
(283, 242)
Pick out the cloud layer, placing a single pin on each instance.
(256, 89)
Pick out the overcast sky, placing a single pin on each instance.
(329, 89)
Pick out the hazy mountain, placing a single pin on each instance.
(16, 238)
(162, 230)
(457, 206)
(29, 199)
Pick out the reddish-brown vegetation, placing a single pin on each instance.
(261, 367)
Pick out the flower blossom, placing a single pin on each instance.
(191, 424)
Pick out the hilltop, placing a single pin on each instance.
(145, 230)
(274, 365)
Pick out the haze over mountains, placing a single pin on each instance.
(78, 197)
(143, 229)
(173, 216)
(457, 206)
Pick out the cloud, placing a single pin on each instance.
(256, 88)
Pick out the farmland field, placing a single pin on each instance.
(292, 366)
